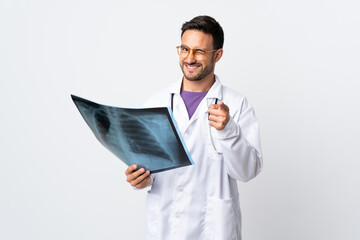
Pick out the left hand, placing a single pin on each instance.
(219, 115)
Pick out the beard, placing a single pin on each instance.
(200, 73)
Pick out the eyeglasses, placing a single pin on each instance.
(198, 54)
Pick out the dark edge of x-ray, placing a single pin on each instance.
(147, 137)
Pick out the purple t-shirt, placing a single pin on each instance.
(192, 100)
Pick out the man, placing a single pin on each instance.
(222, 134)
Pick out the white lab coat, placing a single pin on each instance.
(201, 201)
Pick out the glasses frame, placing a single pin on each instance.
(194, 51)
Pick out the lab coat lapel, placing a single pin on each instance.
(180, 113)
(200, 110)
(179, 108)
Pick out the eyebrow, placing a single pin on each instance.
(196, 49)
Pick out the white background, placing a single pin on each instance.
(296, 61)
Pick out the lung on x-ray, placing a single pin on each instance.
(148, 137)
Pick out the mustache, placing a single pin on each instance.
(191, 64)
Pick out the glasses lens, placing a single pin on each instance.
(183, 51)
(199, 54)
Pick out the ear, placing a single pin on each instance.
(218, 54)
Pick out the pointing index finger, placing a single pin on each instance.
(221, 105)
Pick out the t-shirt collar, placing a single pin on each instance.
(214, 92)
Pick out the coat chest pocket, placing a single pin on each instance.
(220, 220)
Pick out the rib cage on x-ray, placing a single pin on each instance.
(147, 137)
(141, 138)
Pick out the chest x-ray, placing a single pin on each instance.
(147, 137)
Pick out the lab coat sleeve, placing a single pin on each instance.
(240, 144)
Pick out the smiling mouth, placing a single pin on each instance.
(192, 67)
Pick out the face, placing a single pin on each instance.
(196, 70)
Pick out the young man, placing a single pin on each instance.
(222, 134)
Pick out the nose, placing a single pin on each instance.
(190, 57)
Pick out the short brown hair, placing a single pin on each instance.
(208, 25)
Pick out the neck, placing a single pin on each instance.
(202, 85)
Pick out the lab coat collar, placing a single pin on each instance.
(214, 92)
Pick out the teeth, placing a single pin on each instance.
(192, 66)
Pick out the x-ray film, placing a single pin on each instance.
(147, 137)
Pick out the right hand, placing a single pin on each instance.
(139, 178)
